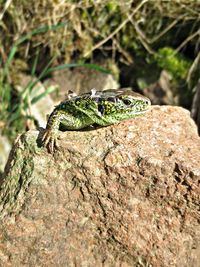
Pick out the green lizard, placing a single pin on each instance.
(96, 107)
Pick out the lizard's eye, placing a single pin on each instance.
(126, 101)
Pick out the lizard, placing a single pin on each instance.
(101, 108)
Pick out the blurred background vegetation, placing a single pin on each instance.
(143, 44)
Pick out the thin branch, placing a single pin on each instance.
(116, 30)
(123, 52)
(195, 110)
(6, 6)
(193, 67)
(189, 38)
(169, 27)
(142, 37)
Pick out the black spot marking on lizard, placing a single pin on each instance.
(101, 108)
(112, 99)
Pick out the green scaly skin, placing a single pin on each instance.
(96, 107)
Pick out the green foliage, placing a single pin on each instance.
(5, 98)
(15, 106)
(84, 26)
(178, 67)
(173, 62)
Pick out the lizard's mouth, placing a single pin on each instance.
(140, 111)
(137, 110)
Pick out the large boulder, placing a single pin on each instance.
(123, 195)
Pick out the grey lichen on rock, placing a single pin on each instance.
(123, 195)
(18, 174)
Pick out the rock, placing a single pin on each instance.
(5, 148)
(162, 92)
(44, 106)
(123, 195)
(81, 80)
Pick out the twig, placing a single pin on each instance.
(171, 25)
(123, 52)
(193, 68)
(8, 2)
(142, 37)
(189, 38)
(195, 110)
(116, 30)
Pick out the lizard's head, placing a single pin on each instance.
(109, 106)
(121, 104)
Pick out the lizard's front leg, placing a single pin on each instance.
(50, 135)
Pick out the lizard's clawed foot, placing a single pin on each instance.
(49, 140)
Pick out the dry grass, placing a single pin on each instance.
(107, 25)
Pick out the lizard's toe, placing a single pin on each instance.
(49, 140)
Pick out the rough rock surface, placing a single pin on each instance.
(123, 195)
